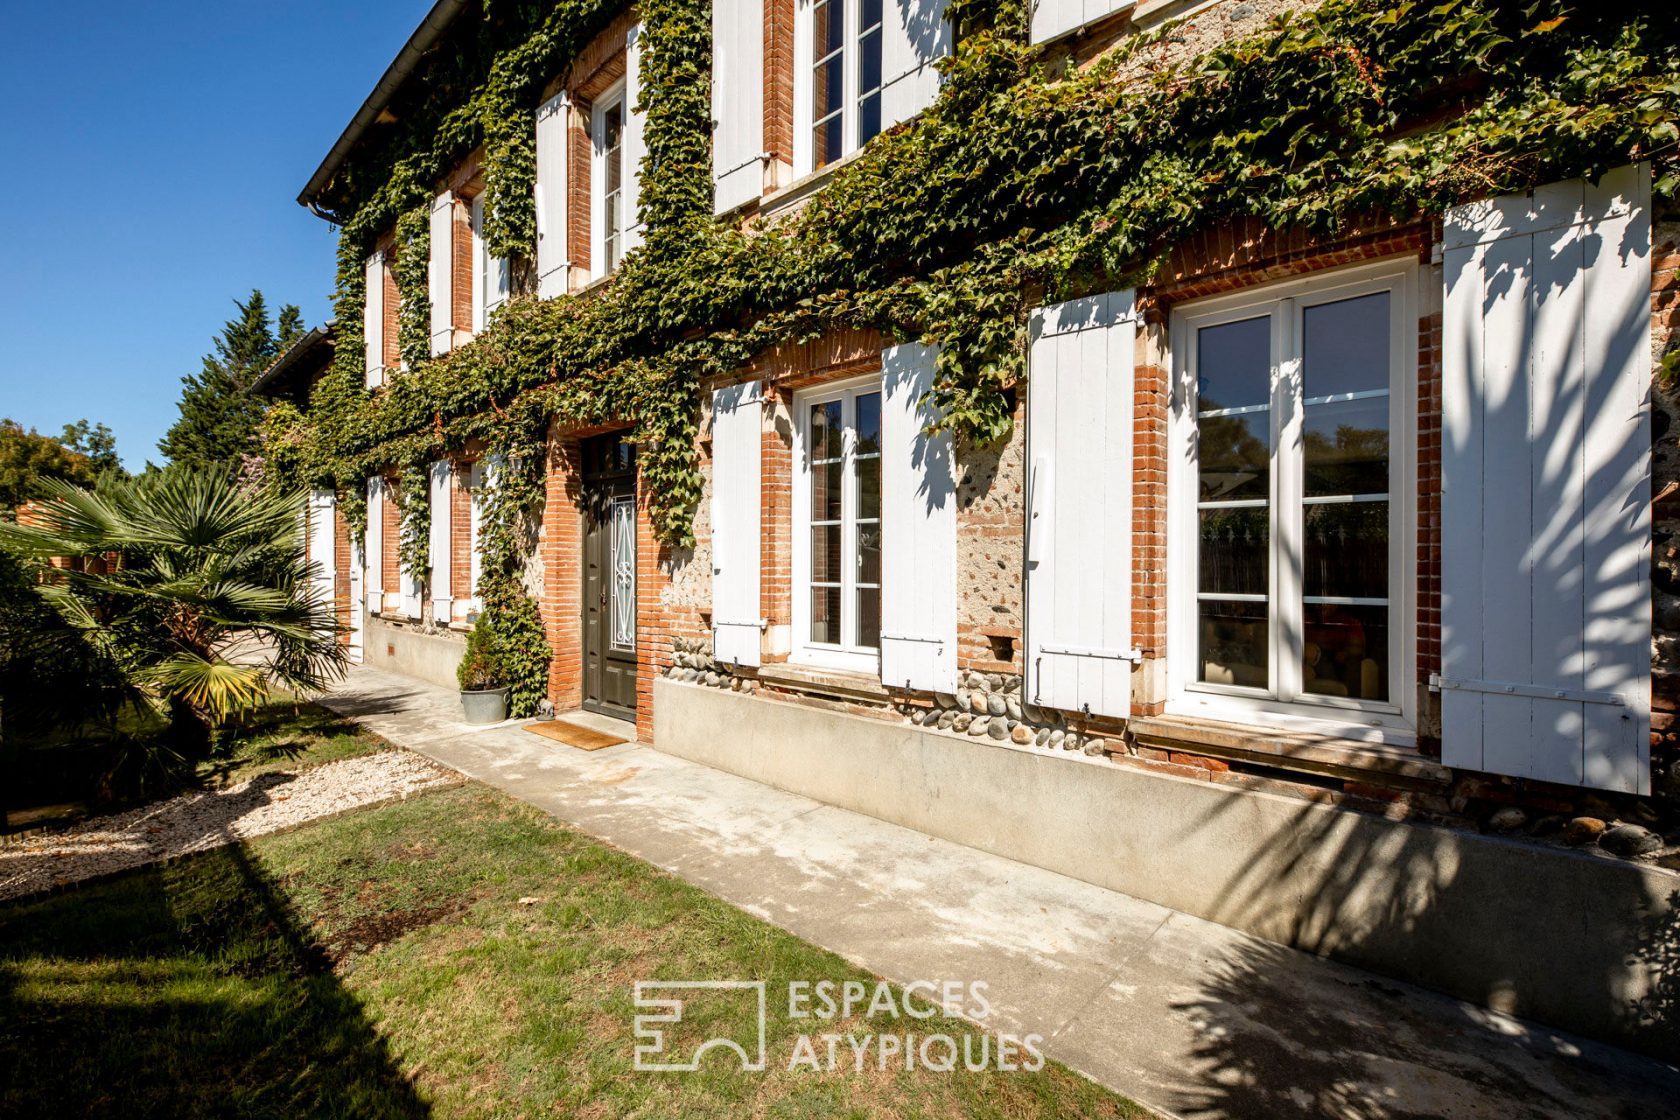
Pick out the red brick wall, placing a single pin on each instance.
(341, 571)
(390, 539)
(1149, 492)
(460, 536)
(776, 541)
(562, 554)
(461, 265)
(393, 305)
(778, 88)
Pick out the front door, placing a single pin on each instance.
(609, 576)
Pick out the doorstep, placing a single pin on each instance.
(1347, 759)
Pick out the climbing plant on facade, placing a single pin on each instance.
(1021, 181)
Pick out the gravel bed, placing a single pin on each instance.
(195, 822)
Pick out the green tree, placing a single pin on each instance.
(27, 457)
(219, 416)
(209, 608)
(96, 443)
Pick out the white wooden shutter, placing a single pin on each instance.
(1079, 651)
(438, 552)
(552, 261)
(358, 601)
(441, 273)
(737, 510)
(635, 145)
(737, 103)
(374, 551)
(373, 322)
(918, 530)
(1546, 484)
(323, 575)
(914, 33)
(1054, 18)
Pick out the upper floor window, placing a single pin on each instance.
(839, 92)
(607, 179)
(491, 275)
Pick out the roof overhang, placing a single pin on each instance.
(425, 37)
(321, 338)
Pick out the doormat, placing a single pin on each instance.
(583, 738)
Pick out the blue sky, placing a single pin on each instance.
(154, 153)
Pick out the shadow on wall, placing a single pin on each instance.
(189, 989)
(1549, 934)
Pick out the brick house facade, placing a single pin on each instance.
(1333, 697)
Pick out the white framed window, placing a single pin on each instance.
(838, 67)
(1290, 508)
(837, 526)
(491, 275)
(607, 180)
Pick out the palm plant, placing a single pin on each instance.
(199, 593)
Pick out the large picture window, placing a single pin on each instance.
(1290, 417)
(839, 96)
(837, 526)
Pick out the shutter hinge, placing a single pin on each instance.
(1438, 683)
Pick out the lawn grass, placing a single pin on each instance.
(457, 954)
(285, 734)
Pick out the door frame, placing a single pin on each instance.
(605, 486)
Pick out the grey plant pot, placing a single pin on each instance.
(487, 706)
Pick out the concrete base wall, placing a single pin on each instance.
(1571, 939)
(429, 657)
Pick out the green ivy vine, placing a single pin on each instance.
(1022, 182)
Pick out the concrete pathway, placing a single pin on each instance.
(1181, 1014)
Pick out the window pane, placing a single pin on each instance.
(869, 14)
(1234, 550)
(825, 431)
(869, 62)
(1344, 346)
(825, 615)
(868, 423)
(869, 553)
(1346, 651)
(869, 118)
(1346, 550)
(1346, 447)
(1234, 364)
(825, 554)
(1234, 643)
(869, 488)
(869, 617)
(828, 27)
(1234, 455)
(826, 142)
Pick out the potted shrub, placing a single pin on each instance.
(484, 697)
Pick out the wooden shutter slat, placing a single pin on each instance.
(374, 552)
(635, 143)
(736, 511)
(914, 34)
(1079, 434)
(440, 272)
(438, 550)
(323, 576)
(552, 259)
(918, 529)
(737, 103)
(1545, 612)
(373, 322)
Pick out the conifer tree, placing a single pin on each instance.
(218, 414)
